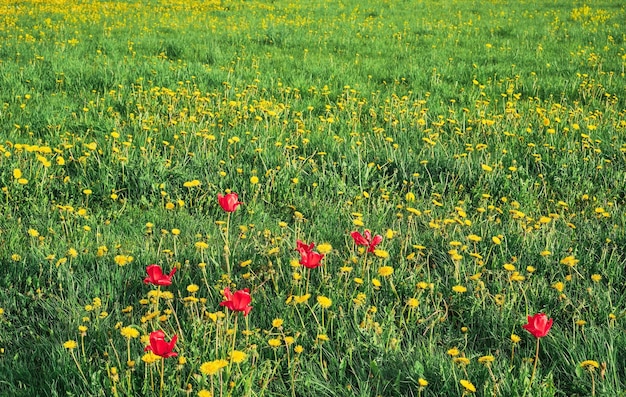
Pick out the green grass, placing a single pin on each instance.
(439, 125)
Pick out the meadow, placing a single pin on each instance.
(419, 181)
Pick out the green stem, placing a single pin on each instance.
(532, 376)
(162, 370)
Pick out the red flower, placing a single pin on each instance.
(159, 346)
(367, 240)
(311, 260)
(239, 301)
(303, 248)
(228, 202)
(156, 276)
(308, 258)
(538, 325)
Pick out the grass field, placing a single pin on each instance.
(483, 141)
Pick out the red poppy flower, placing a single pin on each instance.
(159, 346)
(156, 276)
(228, 202)
(239, 301)
(538, 325)
(367, 240)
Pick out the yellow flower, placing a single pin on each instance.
(323, 337)
(509, 267)
(237, 356)
(474, 238)
(515, 338)
(569, 261)
(33, 233)
(412, 303)
(385, 271)
(559, 286)
(459, 289)
(422, 382)
(204, 393)
(324, 302)
(496, 240)
(274, 342)
(17, 173)
(70, 344)
(486, 359)
(486, 168)
(324, 248)
(467, 385)
(254, 180)
(376, 283)
(212, 367)
(201, 245)
(454, 352)
(590, 364)
(193, 183)
(381, 253)
(129, 332)
(298, 349)
(596, 278)
(150, 358)
(192, 288)
(277, 322)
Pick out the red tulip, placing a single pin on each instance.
(367, 240)
(303, 248)
(239, 301)
(308, 258)
(311, 260)
(228, 202)
(159, 346)
(156, 276)
(538, 325)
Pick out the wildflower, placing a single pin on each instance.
(237, 356)
(515, 338)
(308, 258)
(204, 393)
(459, 289)
(486, 359)
(385, 271)
(129, 332)
(238, 301)
(422, 382)
(159, 346)
(274, 342)
(590, 364)
(569, 261)
(70, 344)
(324, 302)
(277, 322)
(538, 325)
(212, 367)
(229, 202)
(367, 240)
(149, 358)
(156, 276)
(298, 349)
(412, 303)
(467, 385)
(324, 248)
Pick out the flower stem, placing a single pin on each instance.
(532, 376)
(162, 370)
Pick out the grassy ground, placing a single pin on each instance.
(484, 141)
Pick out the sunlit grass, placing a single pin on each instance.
(395, 186)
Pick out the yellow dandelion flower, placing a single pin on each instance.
(385, 271)
(559, 286)
(324, 248)
(324, 302)
(509, 267)
(204, 393)
(277, 322)
(459, 289)
(70, 344)
(422, 382)
(323, 337)
(150, 358)
(467, 385)
(545, 253)
(129, 332)
(254, 180)
(474, 238)
(412, 303)
(461, 360)
(496, 240)
(590, 364)
(596, 278)
(274, 342)
(569, 261)
(298, 349)
(486, 359)
(381, 253)
(376, 283)
(212, 367)
(237, 356)
(515, 338)
(192, 288)
(454, 352)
